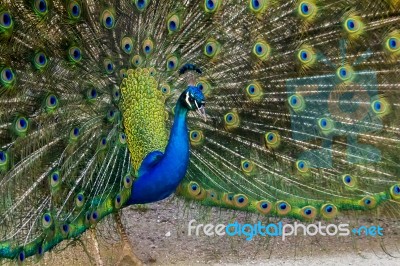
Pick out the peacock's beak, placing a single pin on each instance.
(201, 111)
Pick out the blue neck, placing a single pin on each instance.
(163, 179)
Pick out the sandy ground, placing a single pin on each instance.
(159, 236)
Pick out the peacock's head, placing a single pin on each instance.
(193, 100)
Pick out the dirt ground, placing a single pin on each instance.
(159, 235)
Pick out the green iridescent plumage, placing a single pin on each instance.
(301, 99)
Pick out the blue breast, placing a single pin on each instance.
(164, 176)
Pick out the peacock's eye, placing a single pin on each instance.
(75, 54)
(148, 46)
(74, 10)
(40, 7)
(172, 62)
(174, 23)
(108, 19)
(127, 45)
(142, 4)
(40, 60)
(5, 20)
(211, 6)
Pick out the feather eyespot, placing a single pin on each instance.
(395, 192)
(128, 181)
(52, 103)
(345, 73)
(40, 7)
(108, 66)
(4, 161)
(297, 102)
(103, 143)
(172, 62)
(254, 91)
(379, 107)
(40, 60)
(307, 10)
(329, 211)
(40, 250)
(74, 10)
(326, 125)
(21, 256)
(127, 45)
(47, 220)
(116, 93)
(261, 50)
(353, 26)
(308, 212)
(65, 228)
(307, 56)
(264, 206)
(283, 208)
(349, 181)
(21, 126)
(392, 43)
(368, 202)
(196, 137)
(195, 191)
(3, 158)
(91, 94)
(141, 5)
(122, 138)
(108, 19)
(165, 89)
(152, 71)
(7, 76)
(204, 86)
(303, 166)
(137, 61)
(211, 6)
(174, 23)
(94, 216)
(148, 46)
(258, 6)
(227, 198)
(118, 201)
(272, 139)
(212, 195)
(240, 201)
(231, 120)
(75, 54)
(6, 21)
(212, 48)
(123, 73)
(80, 200)
(247, 167)
(55, 179)
(74, 134)
(112, 115)
(194, 187)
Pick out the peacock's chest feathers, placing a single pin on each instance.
(143, 114)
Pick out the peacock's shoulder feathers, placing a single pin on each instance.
(301, 108)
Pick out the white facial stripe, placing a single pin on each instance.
(196, 105)
(187, 99)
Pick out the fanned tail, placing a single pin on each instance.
(302, 112)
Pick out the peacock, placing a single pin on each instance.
(280, 108)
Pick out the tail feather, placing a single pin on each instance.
(301, 108)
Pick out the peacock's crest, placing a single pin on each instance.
(301, 121)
